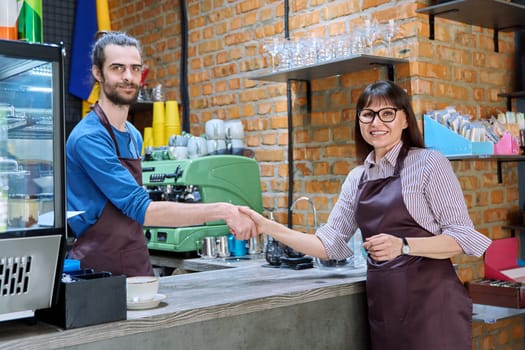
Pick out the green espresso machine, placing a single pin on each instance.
(228, 178)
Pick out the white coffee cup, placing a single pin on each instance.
(215, 129)
(197, 147)
(215, 145)
(237, 143)
(142, 288)
(181, 152)
(234, 129)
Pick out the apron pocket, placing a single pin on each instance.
(388, 296)
(136, 262)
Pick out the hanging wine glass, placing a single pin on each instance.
(273, 46)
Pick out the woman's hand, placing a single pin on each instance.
(241, 225)
(382, 247)
(261, 223)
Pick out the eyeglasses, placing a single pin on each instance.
(121, 68)
(386, 115)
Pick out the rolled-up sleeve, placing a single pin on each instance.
(447, 203)
(341, 224)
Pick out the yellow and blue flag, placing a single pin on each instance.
(92, 16)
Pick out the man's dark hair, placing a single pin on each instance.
(111, 38)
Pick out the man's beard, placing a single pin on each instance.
(113, 95)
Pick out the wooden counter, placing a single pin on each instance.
(246, 307)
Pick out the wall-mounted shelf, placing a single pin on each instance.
(510, 96)
(330, 68)
(141, 106)
(500, 15)
(499, 158)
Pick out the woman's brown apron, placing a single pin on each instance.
(414, 303)
(115, 243)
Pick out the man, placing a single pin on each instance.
(104, 174)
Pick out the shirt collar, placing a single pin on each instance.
(390, 157)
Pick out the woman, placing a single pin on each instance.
(409, 206)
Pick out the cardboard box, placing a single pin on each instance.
(91, 298)
(449, 143)
(497, 293)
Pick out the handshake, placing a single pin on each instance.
(245, 223)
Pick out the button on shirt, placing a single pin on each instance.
(431, 192)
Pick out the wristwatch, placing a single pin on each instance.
(405, 250)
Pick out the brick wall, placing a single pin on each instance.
(458, 68)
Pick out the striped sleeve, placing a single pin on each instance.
(341, 223)
(446, 200)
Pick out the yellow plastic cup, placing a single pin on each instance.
(172, 113)
(158, 112)
(148, 138)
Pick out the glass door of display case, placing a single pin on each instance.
(32, 184)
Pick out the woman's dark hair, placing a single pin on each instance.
(111, 38)
(389, 92)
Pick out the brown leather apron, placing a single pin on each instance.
(115, 243)
(414, 303)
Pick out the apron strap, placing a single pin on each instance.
(105, 122)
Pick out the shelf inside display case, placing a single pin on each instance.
(27, 86)
(329, 68)
(10, 66)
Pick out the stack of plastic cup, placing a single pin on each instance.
(159, 124)
(172, 120)
(148, 138)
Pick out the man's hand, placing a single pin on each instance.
(241, 225)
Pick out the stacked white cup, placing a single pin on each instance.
(215, 135)
(235, 134)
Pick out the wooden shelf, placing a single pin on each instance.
(499, 15)
(330, 68)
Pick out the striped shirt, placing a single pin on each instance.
(431, 193)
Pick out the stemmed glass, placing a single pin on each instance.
(371, 31)
(273, 46)
(389, 31)
(358, 46)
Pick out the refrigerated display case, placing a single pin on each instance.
(32, 184)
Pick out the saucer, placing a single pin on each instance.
(146, 304)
